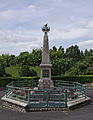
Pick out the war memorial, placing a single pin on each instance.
(44, 94)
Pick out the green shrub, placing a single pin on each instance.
(26, 72)
(80, 78)
(6, 80)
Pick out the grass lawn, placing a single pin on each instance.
(13, 70)
(37, 69)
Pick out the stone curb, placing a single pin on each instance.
(23, 107)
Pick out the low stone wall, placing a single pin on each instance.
(23, 107)
(13, 106)
(47, 109)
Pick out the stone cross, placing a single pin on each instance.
(45, 81)
(45, 53)
(45, 28)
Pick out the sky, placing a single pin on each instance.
(21, 22)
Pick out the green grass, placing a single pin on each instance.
(13, 70)
(37, 69)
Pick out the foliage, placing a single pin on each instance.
(2, 67)
(78, 69)
(26, 72)
(60, 66)
(71, 61)
(73, 52)
(78, 78)
(13, 70)
(5, 80)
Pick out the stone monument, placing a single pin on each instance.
(45, 81)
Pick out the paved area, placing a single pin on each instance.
(84, 113)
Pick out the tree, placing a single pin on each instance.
(73, 52)
(89, 60)
(82, 57)
(90, 52)
(2, 67)
(78, 69)
(2, 70)
(26, 72)
(33, 73)
(61, 48)
(60, 66)
(54, 48)
(23, 58)
(89, 71)
(86, 53)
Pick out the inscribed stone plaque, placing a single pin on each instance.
(45, 73)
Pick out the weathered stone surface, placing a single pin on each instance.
(14, 104)
(17, 107)
(78, 102)
(45, 81)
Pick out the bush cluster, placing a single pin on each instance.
(80, 78)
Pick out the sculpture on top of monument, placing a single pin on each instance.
(45, 28)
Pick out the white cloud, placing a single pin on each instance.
(70, 34)
(88, 44)
(19, 40)
(21, 22)
(90, 25)
(10, 18)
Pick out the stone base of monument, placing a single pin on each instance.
(45, 84)
(77, 103)
(14, 104)
(23, 106)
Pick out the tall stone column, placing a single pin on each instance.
(45, 81)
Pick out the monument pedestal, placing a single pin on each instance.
(45, 81)
(45, 84)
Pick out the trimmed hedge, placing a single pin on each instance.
(5, 80)
(80, 78)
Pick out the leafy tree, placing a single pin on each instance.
(36, 56)
(26, 72)
(82, 57)
(73, 52)
(2, 70)
(89, 71)
(61, 48)
(54, 48)
(23, 58)
(33, 73)
(2, 67)
(90, 52)
(60, 66)
(78, 69)
(89, 60)
(86, 53)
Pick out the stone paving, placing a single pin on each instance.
(84, 113)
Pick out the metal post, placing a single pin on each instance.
(32, 83)
(47, 97)
(66, 97)
(28, 97)
(85, 91)
(6, 90)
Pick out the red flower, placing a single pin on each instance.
(16, 88)
(14, 91)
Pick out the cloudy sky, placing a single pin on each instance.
(71, 22)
